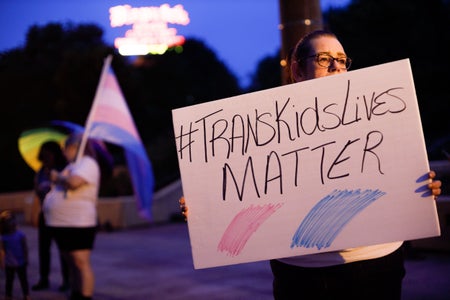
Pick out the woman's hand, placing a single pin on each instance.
(70, 182)
(183, 208)
(54, 175)
(434, 185)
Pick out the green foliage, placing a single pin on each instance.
(380, 31)
(38, 84)
(55, 76)
(268, 73)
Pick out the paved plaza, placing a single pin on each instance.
(154, 262)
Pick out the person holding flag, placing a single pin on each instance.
(71, 204)
(70, 210)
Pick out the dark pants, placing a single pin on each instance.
(22, 274)
(45, 242)
(379, 278)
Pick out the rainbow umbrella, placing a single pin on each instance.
(30, 141)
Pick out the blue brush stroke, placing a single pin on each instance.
(422, 178)
(424, 189)
(330, 215)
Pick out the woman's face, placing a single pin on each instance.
(70, 152)
(47, 158)
(326, 45)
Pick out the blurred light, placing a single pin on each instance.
(139, 49)
(157, 49)
(150, 33)
(126, 15)
(178, 49)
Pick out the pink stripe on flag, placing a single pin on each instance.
(111, 81)
(116, 117)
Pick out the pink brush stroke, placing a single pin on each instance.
(243, 225)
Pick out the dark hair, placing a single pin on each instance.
(53, 148)
(7, 222)
(303, 47)
(73, 139)
(288, 61)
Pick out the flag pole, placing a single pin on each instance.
(88, 125)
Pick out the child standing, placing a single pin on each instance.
(14, 254)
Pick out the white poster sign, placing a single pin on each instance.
(316, 166)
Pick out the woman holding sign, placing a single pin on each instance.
(369, 272)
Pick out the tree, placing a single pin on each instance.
(55, 76)
(267, 74)
(379, 31)
(176, 79)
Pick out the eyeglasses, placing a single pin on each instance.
(325, 60)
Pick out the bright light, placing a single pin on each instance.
(126, 15)
(150, 32)
(142, 49)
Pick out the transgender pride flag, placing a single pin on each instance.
(110, 120)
